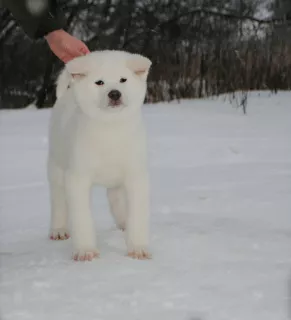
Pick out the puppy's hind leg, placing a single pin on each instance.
(59, 212)
(118, 206)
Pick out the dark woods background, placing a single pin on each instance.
(198, 48)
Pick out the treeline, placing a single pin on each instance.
(198, 48)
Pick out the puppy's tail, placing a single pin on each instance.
(63, 82)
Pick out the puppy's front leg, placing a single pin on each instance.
(83, 233)
(137, 227)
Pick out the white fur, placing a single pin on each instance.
(94, 143)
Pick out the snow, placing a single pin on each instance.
(221, 231)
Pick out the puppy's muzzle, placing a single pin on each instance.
(114, 98)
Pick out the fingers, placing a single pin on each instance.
(69, 53)
(66, 58)
(76, 49)
(65, 46)
(84, 50)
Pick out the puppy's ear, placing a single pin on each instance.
(77, 76)
(78, 68)
(140, 65)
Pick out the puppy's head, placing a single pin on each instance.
(109, 81)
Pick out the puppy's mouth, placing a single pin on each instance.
(114, 103)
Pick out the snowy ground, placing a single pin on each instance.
(221, 221)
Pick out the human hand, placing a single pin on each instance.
(65, 46)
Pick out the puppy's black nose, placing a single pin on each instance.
(114, 95)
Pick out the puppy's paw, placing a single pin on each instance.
(85, 255)
(121, 226)
(59, 234)
(140, 254)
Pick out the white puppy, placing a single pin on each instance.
(97, 137)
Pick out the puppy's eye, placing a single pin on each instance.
(99, 83)
(122, 80)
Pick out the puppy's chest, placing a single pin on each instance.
(104, 148)
(108, 152)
